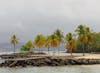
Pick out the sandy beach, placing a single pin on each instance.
(75, 55)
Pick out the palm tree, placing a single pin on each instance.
(82, 36)
(90, 37)
(70, 42)
(40, 41)
(60, 36)
(14, 41)
(47, 44)
(54, 42)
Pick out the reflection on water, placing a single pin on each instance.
(62, 69)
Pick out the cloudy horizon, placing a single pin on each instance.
(27, 18)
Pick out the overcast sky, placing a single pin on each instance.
(27, 18)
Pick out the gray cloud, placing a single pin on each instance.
(27, 18)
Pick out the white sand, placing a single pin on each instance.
(76, 55)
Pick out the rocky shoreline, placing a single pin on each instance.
(49, 61)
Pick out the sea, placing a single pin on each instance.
(48, 69)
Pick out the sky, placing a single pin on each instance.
(27, 18)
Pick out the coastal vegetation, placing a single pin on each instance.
(40, 41)
(14, 41)
(85, 36)
(28, 46)
(83, 40)
(70, 42)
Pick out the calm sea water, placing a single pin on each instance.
(63, 69)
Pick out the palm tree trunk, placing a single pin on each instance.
(71, 53)
(48, 49)
(54, 51)
(39, 50)
(14, 48)
(58, 49)
(83, 50)
(89, 50)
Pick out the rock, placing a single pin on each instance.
(49, 62)
(13, 64)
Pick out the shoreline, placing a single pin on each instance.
(52, 60)
(49, 62)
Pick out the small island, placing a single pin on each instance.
(82, 49)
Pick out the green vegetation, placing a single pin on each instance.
(95, 45)
(60, 37)
(70, 42)
(84, 36)
(53, 41)
(28, 46)
(40, 41)
(83, 40)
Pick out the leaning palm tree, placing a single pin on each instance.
(60, 36)
(40, 41)
(14, 41)
(82, 36)
(70, 42)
